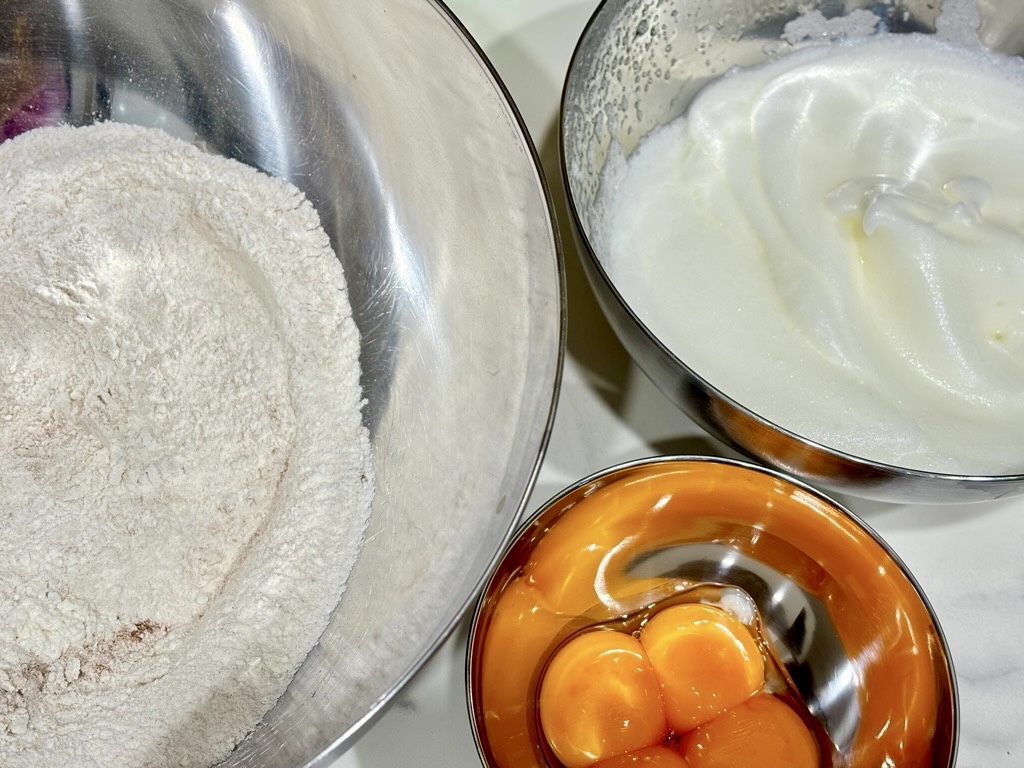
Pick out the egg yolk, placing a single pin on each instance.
(577, 569)
(763, 731)
(600, 698)
(706, 660)
(659, 756)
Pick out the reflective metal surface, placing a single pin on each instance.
(387, 116)
(637, 66)
(815, 657)
(843, 615)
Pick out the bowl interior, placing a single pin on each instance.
(844, 618)
(637, 66)
(389, 119)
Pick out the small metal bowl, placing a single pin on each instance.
(844, 618)
(637, 66)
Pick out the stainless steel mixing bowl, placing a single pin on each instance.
(845, 618)
(637, 66)
(391, 121)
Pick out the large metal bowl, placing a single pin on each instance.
(637, 66)
(391, 121)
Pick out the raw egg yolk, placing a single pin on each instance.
(600, 698)
(763, 732)
(706, 659)
(659, 756)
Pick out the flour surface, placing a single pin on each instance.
(184, 477)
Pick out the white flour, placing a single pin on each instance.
(184, 477)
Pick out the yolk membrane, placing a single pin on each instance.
(706, 660)
(600, 698)
(763, 732)
(659, 756)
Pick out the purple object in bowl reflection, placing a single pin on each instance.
(42, 107)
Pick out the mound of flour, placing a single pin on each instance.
(185, 477)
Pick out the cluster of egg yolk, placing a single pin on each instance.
(684, 692)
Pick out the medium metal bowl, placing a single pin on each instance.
(389, 118)
(637, 66)
(846, 620)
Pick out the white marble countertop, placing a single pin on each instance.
(968, 559)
